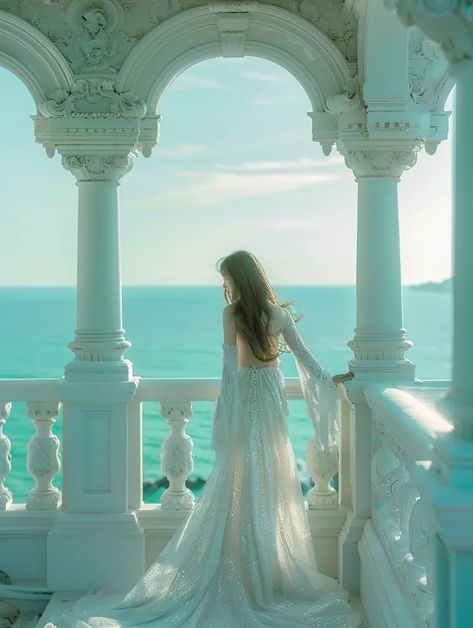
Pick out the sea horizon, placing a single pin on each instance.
(176, 332)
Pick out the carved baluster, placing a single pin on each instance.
(397, 485)
(406, 495)
(177, 459)
(420, 565)
(387, 474)
(43, 457)
(6, 496)
(322, 466)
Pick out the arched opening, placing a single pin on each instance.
(236, 167)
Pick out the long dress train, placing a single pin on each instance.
(244, 555)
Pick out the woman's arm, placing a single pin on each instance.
(226, 419)
(342, 377)
(229, 326)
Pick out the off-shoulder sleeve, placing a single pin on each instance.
(227, 406)
(317, 386)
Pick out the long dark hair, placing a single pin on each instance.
(251, 293)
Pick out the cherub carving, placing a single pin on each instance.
(96, 44)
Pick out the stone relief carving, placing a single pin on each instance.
(350, 100)
(97, 35)
(98, 167)
(337, 22)
(448, 22)
(380, 162)
(427, 66)
(93, 91)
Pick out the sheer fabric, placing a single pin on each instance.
(244, 555)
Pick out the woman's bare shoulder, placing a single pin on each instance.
(279, 314)
(229, 310)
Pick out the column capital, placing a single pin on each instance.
(99, 166)
(447, 22)
(373, 159)
(97, 147)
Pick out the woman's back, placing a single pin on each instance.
(276, 325)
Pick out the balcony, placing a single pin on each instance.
(395, 545)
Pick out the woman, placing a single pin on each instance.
(244, 556)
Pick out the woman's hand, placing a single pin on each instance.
(342, 377)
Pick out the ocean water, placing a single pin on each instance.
(177, 332)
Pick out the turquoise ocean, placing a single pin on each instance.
(177, 332)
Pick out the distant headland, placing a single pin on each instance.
(434, 286)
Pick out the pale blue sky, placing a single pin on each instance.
(235, 168)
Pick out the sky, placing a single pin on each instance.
(235, 168)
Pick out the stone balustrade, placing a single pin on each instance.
(175, 396)
(404, 429)
(42, 456)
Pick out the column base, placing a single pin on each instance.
(96, 370)
(89, 346)
(90, 551)
(382, 370)
(380, 355)
(96, 445)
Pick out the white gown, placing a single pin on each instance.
(244, 555)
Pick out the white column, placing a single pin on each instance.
(95, 525)
(447, 486)
(99, 334)
(96, 539)
(380, 339)
(459, 402)
(450, 24)
(380, 342)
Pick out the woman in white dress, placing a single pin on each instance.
(244, 555)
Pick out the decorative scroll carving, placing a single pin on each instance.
(177, 459)
(448, 22)
(380, 162)
(94, 91)
(43, 458)
(336, 21)
(401, 519)
(350, 100)
(97, 35)
(6, 496)
(98, 167)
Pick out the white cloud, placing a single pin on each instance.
(224, 186)
(294, 164)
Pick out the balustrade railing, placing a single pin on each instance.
(402, 437)
(42, 456)
(175, 398)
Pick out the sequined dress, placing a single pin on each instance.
(244, 555)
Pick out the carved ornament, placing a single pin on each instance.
(99, 93)
(447, 22)
(98, 167)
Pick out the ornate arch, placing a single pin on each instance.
(31, 56)
(259, 30)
